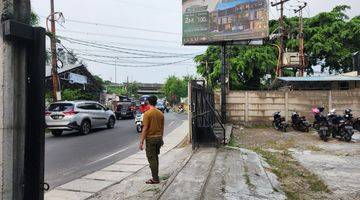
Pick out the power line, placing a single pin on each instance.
(121, 57)
(118, 26)
(117, 47)
(135, 66)
(122, 27)
(118, 36)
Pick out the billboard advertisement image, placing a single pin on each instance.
(215, 21)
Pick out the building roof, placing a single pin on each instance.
(62, 69)
(231, 4)
(320, 78)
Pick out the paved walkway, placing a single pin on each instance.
(208, 173)
(93, 183)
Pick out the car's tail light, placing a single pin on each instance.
(47, 113)
(71, 112)
(118, 108)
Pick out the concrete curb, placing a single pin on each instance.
(87, 186)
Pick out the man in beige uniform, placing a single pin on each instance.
(153, 130)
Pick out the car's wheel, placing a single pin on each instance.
(85, 127)
(111, 123)
(56, 133)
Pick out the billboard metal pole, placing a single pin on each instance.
(223, 82)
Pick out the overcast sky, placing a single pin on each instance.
(162, 21)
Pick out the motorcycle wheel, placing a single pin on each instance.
(138, 128)
(275, 126)
(348, 136)
(323, 136)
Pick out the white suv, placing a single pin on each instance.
(77, 115)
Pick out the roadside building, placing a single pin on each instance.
(75, 77)
(345, 81)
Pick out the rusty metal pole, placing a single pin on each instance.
(301, 39)
(282, 35)
(54, 73)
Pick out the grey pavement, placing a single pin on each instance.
(337, 163)
(207, 173)
(72, 156)
(86, 186)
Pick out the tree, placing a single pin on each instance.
(34, 19)
(77, 94)
(133, 88)
(247, 65)
(175, 88)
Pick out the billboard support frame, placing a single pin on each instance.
(223, 82)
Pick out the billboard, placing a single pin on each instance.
(215, 21)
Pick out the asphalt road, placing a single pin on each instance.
(72, 156)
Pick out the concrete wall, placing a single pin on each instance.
(259, 106)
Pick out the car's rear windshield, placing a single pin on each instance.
(61, 107)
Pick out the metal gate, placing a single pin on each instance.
(207, 127)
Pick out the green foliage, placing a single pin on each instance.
(77, 94)
(34, 19)
(133, 89)
(118, 90)
(176, 88)
(330, 40)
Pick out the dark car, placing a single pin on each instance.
(125, 110)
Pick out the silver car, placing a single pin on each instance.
(77, 115)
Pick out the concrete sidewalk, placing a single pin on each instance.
(93, 183)
(208, 173)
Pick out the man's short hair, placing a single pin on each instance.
(152, 100)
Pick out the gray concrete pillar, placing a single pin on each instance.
(12, 103)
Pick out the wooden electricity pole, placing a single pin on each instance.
(301, 39)
(282, 35)
(54, 72)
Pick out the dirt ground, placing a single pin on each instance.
(307, 167)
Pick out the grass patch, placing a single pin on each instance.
(164, 177)
(247, 178)
(152, 189)
(314, 148)
(232, 142)
(297, 182)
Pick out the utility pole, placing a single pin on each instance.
(282, 35)
(54, 72)
(115, 70)
(301, 39)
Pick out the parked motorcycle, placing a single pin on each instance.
(341, 126)
(279, 122)
(321, 124)
(139, 121)
(299, 123)
(355, 121)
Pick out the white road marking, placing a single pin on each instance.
(122, 150)
(171, 123)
